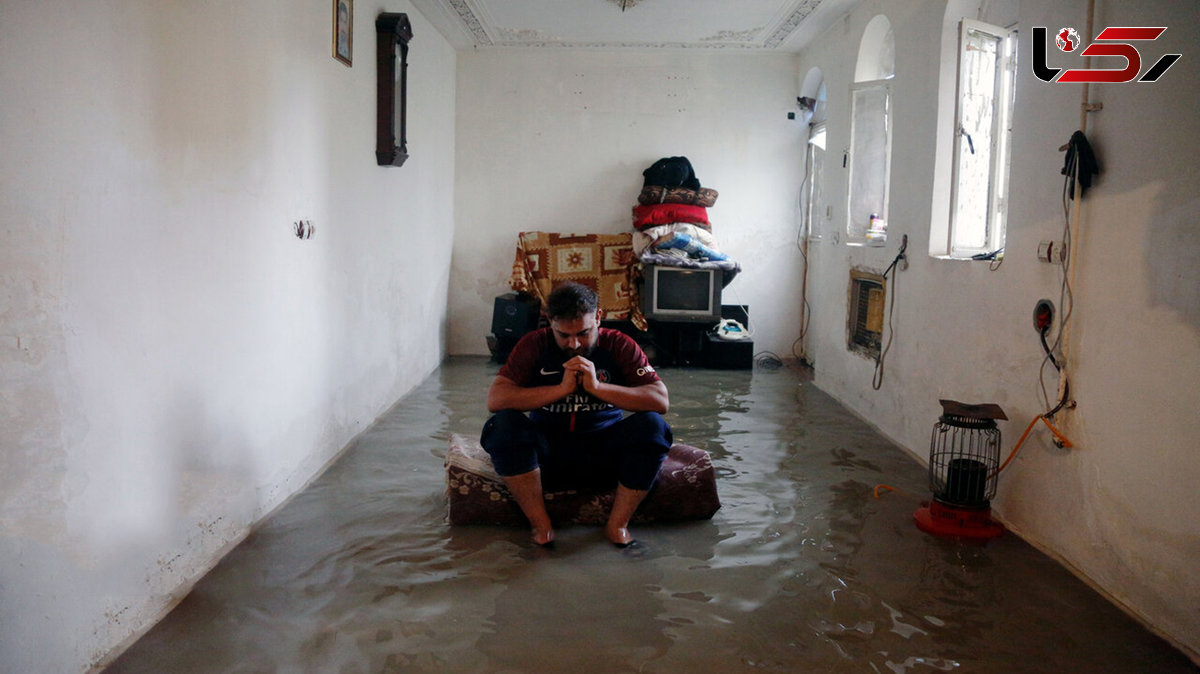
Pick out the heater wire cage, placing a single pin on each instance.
(964, 457)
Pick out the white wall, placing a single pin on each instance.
(558, 140)
(174, 363)
(1120, 508)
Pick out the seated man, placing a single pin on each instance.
(575, 378)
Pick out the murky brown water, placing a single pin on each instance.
(802, 570)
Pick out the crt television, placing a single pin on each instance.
(681, 294)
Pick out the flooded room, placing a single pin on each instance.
(599, 336)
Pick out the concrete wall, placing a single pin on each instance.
(174, 363)
(557, 141)
(1120, 508)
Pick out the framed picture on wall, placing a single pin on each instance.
(343, 31)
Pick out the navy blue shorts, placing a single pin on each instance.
(628, 452)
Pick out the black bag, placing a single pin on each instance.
(671, 172)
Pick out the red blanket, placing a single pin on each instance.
(667, 214)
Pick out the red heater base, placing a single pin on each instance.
(946, 520)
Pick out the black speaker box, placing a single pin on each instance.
(515, 314)
(730, 355)
(500, 347)
(722, 355)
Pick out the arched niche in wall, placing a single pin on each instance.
(870, 156)
(876, 51)
(812, 95)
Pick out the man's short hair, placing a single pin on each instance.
(570, 301)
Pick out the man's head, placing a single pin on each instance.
(574, 318)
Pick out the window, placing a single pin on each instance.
(870, 152)
(817, 208)
(817, 211)
(982, 139)
(870, 162)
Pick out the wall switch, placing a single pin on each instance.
(1052, 252)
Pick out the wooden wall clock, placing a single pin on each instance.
(392, 33)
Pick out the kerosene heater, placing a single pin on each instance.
(964, 459)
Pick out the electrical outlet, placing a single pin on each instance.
(1043, 315)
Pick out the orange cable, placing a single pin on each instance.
(1020, 442)
(1062, 438)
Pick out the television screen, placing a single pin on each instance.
(681, 294)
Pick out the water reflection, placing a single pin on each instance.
(801, 570)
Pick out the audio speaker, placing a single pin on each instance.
(722, 355)
(514, 315)
(500, 347)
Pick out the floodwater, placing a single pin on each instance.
(802, 569)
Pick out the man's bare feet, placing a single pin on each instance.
(543, 537)
(625, 502)
(526, 488)
(619, 536)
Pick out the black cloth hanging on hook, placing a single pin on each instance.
(1079, 151)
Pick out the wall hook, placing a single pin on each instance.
(304, 229)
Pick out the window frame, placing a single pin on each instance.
(1000, 142)
(817, 181)
(854, 238)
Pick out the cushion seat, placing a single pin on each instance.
(686, 489)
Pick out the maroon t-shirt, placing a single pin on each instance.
(536, 360)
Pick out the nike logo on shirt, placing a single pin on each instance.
(555, 372)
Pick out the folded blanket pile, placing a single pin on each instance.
(657, 194)
(688, 246)
(665, 214)
(671, 220)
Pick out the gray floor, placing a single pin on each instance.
(802, 570)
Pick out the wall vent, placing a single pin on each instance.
(865, 317)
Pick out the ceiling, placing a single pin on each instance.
(729, 26)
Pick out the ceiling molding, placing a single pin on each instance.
(793, 22)
(706, 25)
(463, 10)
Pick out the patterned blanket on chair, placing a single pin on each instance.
(603, 262)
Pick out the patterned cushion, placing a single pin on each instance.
(657, 194)
(686, 490)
